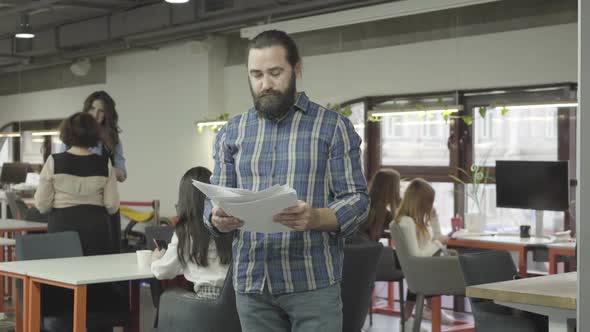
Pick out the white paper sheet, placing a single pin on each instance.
(256, 209)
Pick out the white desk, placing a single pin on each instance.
(554, 296)
(75, 273)
(504, 242)
(567, 249)
(15, 225)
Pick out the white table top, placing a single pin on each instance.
(556, 291)
(562, 245)
(509, 239)
(81, 270)
(7, 242)
(12, 224)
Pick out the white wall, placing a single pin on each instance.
(532, 56)
(161, 93)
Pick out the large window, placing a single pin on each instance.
(520, 134)
(415, 139)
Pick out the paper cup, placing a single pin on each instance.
(144, 258)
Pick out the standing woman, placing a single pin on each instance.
(101, 106)
(78, 187)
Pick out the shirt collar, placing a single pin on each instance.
(302, 102)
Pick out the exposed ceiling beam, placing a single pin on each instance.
(14, 56)
(87, 5)
(113, 3)
(27, 7)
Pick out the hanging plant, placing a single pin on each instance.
(215, 127)
(345, 111)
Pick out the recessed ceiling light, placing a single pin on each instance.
(177, 1)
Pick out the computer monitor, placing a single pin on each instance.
(536, 185)
(13, 173)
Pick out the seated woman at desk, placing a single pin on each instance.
(79, 188)
(385, 198)
(193, 251)
(419, 224)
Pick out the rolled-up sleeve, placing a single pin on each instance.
(223, 175)
(347, 182)
(44, 196)
(119, 159)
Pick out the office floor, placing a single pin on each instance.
(381, 323)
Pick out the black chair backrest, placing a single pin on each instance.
(48, 245)
(17, 207)
(358, 278)
(486, 267)
(181, 311)
(163, 232)
(388, 268)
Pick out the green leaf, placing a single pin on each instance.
(504, 110)
(440, 100)
(419, 106)
(446, 117)
(347, 111)
(421, 115)
(482, 112)
(468, 119)
(430, 115)
(373, 118)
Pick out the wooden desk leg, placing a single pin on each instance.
(552, 262)
(18, 315)
(80, 292)
(522, 262)
(134, 303)
(25, 312)
(34, 307)
(2, 281)
(435, 309)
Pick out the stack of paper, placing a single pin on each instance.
(256, 209)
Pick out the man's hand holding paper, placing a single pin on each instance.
(224, 222)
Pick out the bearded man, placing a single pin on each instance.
(289, 281)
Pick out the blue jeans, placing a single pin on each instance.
(318, 310)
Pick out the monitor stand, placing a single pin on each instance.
(538, 223)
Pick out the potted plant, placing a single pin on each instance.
(477, 177)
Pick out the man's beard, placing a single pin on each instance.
(273, 105)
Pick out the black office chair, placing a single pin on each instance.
(18, 208)
(358, 279)
(163, 232)
(388, 270)
(496, 266)
(181, 311)
(58, 316)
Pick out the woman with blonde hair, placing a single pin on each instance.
(384, 192)
(419, 225)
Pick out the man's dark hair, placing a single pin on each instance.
(80, 129)
(271, 38)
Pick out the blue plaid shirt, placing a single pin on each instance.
(317, 152)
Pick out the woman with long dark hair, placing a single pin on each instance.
(384, 192)
(193, 251)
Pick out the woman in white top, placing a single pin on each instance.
(418, 221)
(202, 258)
